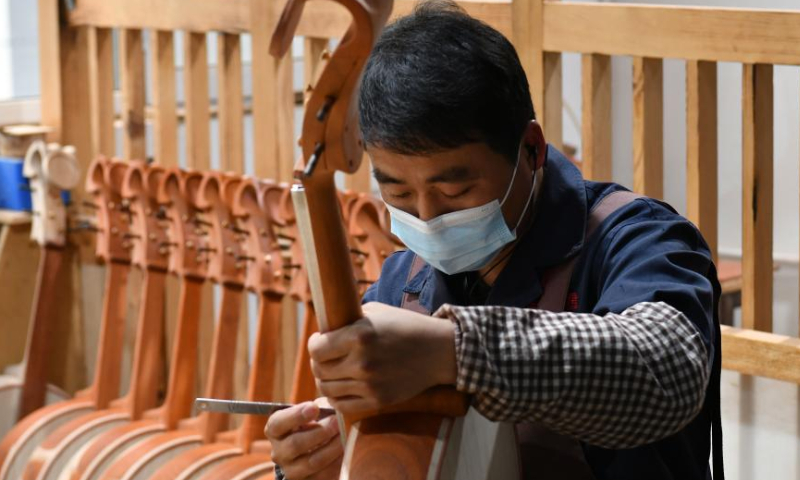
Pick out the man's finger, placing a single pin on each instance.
(300, 443)
(338, 369)
(327, 346)
(347, 405)
(319, 464)
(334, 389)
(283, 422)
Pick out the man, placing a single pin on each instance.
(628, 371)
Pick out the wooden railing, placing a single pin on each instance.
(77, 64)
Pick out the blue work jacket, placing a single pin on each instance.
(659, 257)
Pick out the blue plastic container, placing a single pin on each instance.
(15, 191)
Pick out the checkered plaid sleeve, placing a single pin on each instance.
(615, 381)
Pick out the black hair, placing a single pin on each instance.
(438, 79)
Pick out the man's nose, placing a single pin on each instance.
(428, 209)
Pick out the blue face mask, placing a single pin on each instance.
(461, 241)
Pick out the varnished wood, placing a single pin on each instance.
(757, 196)
(648, 127)
(133, 94)
(596, 117)
(692, 33)
(701, 149)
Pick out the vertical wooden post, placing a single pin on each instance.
(198, 117)
(101, 68)
(165, 125)
(230, 101)
(543, 69)
(265, 88)
(701, 149)
(648, 126)
(757, 196)
(133, 95)
(596, 121)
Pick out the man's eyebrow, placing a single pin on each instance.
(452, 175)
(383, 178)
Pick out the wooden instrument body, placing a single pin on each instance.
(104, 182)
(175, 205)
(225, 265)
(56, 457)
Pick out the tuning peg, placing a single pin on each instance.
(168, 244)
(206, 249)
(362, 281)
(359, 252)
(238, 230)
(294, 266)
(199, 221)
(283, 236)
(325, 108)
(89, 204)
(245, 258)
(131, 236)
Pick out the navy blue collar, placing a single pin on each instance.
(557, 234)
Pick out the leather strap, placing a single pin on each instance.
(411, 300)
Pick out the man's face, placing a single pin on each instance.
(468, 176)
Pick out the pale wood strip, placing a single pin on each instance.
(133, 94)
(101, 68)
(50, 67)
(285, 119)
(162, 58)
(527, 15)
(231, 103)
(701, 149)
(265, 102)
(693, 33)
(320, 19)
(596, 117)
(757, 196)
(195, 77)
(648, 127)
(552, 117)
(758, 353)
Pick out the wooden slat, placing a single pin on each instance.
(265, 142)
(133, 94)
(758, 353)
(49, 67)
(648, 127)
(527, 40)
(165, 131)
(693, 33)
(596, 121)
(552, 117)
(101, 71)
(757, 196)
(320, 19)
(701, 149)
(231, 103)
(285, 118)
(195, 76)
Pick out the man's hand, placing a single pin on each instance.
(389, 356)
(304, 447)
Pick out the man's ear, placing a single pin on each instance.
(534, 141)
